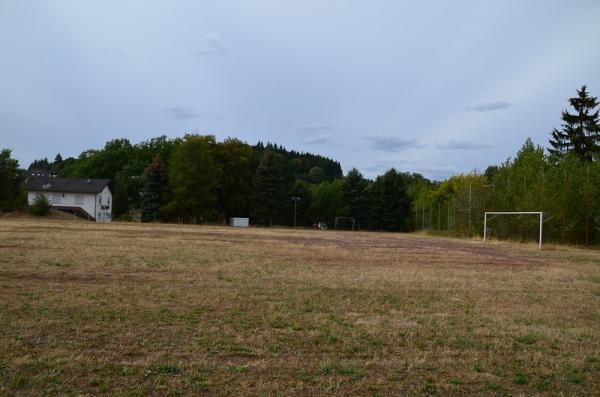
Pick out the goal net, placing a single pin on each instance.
(488, 216)
(344, 223)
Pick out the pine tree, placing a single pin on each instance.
(41, 167)
(41, 205)
(57, 164)
(391, 202)
(580, 132)
(356, 197)
(153, 195)
(10, 182)
(269, 196)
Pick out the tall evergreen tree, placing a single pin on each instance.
(153, 195)
(269, 195)
(40, 167)
(356, 197)
(580, 131)
(57, 164)
(11, 194)
(391, 204)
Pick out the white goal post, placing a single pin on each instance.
(496, 213)
(344, 218)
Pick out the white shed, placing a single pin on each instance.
(239, 222)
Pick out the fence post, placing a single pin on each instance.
(448, 225)
(564, 210)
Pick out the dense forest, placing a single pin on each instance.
(196, 179)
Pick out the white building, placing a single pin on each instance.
(239, 222)
(86, 198)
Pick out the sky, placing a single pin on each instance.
(436, 87)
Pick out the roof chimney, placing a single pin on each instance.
(88, 181)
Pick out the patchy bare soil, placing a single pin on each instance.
(91, 309)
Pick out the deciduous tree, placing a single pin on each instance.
(193, 179)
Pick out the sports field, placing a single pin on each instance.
(132, 309)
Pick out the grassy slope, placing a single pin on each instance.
(140, 309)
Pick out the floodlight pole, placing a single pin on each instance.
(295, 199)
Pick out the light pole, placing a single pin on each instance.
(295, 199)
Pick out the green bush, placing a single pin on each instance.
(41, 205)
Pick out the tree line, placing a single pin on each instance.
(562, 181)
(196, 179)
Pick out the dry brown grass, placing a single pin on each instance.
(162, 309)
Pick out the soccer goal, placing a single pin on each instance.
(490, 215)
(343, 222)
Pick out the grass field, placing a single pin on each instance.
(132, 309)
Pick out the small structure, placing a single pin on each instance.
(86, 198)
(344, 221)
(239, 222)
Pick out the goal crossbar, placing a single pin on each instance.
(492, 214)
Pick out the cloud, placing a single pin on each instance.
(390, 143)
(488, 106)
(311, 129)
(458, 145)
(211, 43)
(384, 166)
(437, 173)
(179, 113)
(317, 139)
(315, 127)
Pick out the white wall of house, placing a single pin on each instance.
(97, 205)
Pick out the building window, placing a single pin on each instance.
(56, 198)
(79, 199)
(99, 200)
(108, 202)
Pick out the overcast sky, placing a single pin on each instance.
(437, 87)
